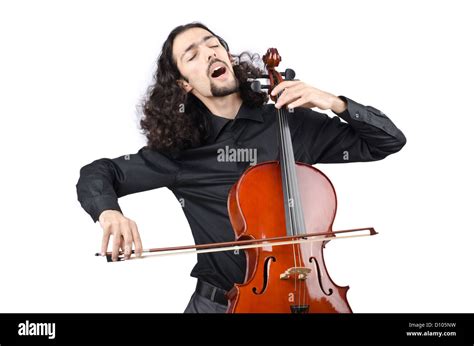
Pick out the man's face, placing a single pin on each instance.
(205, 63)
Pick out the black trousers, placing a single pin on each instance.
(207, 299)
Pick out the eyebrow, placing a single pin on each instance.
(194, 45)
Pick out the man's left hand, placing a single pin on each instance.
(298, 94)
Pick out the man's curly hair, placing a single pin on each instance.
(174, 120)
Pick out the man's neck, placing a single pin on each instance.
(226, 106)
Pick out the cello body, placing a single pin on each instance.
(288, 278)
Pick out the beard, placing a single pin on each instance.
(220, 91)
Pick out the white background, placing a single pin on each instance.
(73, 72)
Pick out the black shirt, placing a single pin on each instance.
(201, 177)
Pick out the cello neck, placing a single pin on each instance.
(293, 207)
(291, 196)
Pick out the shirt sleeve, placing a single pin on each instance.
(103, 181)
(367, 135)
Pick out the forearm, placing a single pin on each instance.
(372, 125)
(95, 189)
(103, 181)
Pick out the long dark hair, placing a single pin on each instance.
(174, 120)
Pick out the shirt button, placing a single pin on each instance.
(357, 115)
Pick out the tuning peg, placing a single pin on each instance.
(257, 87)
(289, 74)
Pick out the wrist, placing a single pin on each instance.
(338, 105)
(107, 212)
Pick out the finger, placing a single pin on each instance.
(127, 239)
(301, 102)
(117, 240)
(290, 94)
(105, 238)
(314, 99)
(283, 85)
(285, 101)
(122, 246)
(121, 249)
(136, 239)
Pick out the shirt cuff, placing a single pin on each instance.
(354, 110)
(97, 205)
(359, 115)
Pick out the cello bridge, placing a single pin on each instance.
(300, 272)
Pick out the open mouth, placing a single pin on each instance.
(218, 71)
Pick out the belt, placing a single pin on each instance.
(216, 294)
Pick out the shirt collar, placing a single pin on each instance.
(217, 123)
(246, 112)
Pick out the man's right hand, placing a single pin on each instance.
(124, 231)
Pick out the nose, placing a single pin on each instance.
(210, 53)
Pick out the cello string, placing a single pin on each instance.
(290, 167)
(288, 186)
(285, 184)
(298, 210)
(293, 185)
(284, 167)
(284, 171)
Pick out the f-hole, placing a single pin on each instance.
(265, 275)
(319, 276)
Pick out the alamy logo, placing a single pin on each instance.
(237, 155)
(32, 328)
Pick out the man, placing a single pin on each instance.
(199, 108)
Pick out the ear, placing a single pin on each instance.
(184, 85)
(233, 60)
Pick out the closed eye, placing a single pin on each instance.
(191, 58)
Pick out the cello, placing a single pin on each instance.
(284, 198)
(282, 214)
